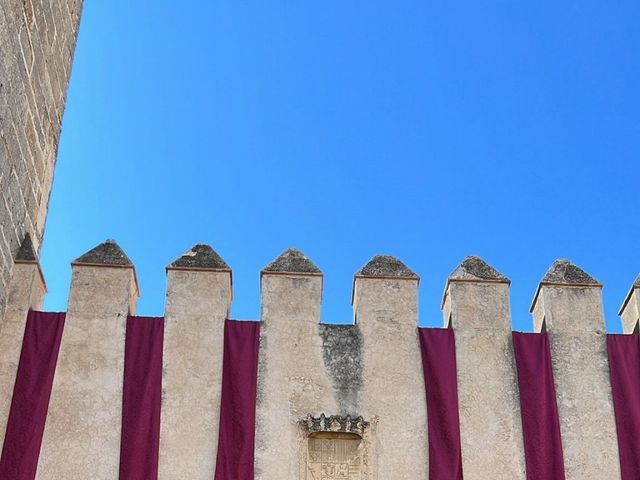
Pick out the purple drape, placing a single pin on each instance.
(142, 391)
(31, 393)
(236, 441)
(624, 367)
(443, 422)
(539, 409)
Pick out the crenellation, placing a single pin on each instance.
(476, 305)
(198, 300)
(568, 303)
(356, 390)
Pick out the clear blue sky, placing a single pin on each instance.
(425, 130)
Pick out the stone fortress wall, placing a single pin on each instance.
(37, 42)
(354, 392)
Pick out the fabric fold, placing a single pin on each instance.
(624, 368)
(539, 408)
(441, 385)
(31, 394)
(236, 441)
(142, 392)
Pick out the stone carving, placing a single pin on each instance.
(335, 423)
(334, 456)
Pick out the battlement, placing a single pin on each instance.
(319, 381)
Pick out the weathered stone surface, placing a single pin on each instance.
(292, 261)
(564, 272)
(392, 396)
(342, 353)
(196, 307)
(476, 306)
(37, 41)
(201, 256)
(572, 314)
(82, 435)
(107, 253)
(386, 266)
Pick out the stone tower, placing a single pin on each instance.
(37, 42)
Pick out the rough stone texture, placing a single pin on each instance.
(574, 319)
(82, 435)
(292, 261)
(107, 253)
(196, 307)
(342, 354)
(490, 424)
(386, 266)
(37, 41)
(630, 309)
(201, 256)
(564, 272)
(393, 394)
(292, 381)
(26, 290)
(475, 268)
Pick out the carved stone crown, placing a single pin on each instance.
(335, 423)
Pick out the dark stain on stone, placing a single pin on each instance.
(386, 266)
(563, 271)
(107, 253)
(201, 256)
(27, 252)
(292, 261)
(342, 354)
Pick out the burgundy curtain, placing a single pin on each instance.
(31, 393)
(624, 367)
(443, 422)
(142, 393)
(236, 441)
(539, 410)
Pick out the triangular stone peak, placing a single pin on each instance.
(201, 256)
(475, 269)
(27, 252)
(563, 272)
(107, 253)
(386, 266)
(292, 261)
(635, 286)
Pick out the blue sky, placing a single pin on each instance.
(425, 130)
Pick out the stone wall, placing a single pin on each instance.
(37, 42)
(348, 399)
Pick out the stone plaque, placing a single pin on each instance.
(334, 456)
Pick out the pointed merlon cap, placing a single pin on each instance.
(27, 252)
(200, 257)
(473, 269)
(386, 266)
(564, 273)
(108, 253)
(635, 286)
(292, 261)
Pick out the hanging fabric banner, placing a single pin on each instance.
(539, 409)
(624, 367)
(142, 392)
(443, 421)
(236, 441)
(31, 393)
